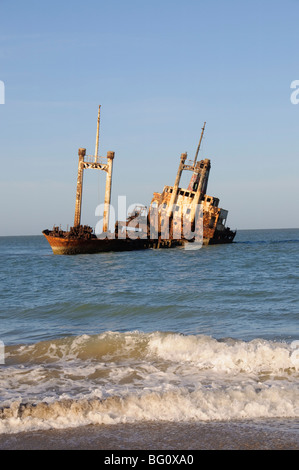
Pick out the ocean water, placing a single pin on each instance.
(176, 335)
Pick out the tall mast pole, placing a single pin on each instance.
(196, 155)
(77, 220)
(97, 137)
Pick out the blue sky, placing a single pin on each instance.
(159, 69)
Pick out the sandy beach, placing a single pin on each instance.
(281, 435)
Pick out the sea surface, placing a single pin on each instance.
(155, 336)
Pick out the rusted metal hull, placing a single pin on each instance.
(62, 245)
(65, 246)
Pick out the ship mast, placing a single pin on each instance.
(199, 144)
(96, 153)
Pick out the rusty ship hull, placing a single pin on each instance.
(65, 246)
(159, 226)
(62, 245)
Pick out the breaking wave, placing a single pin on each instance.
(127, 377)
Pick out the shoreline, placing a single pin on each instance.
(278, 434)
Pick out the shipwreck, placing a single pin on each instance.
(175, 217)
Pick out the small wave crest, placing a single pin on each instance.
(84, 347)
(206, 352)
(226, 355)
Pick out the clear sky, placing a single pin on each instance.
(159, 68)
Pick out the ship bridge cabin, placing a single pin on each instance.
(175, 203)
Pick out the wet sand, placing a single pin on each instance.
(265, 435)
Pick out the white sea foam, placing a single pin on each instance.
(229, 356)
(214, 403)
(127, 377)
